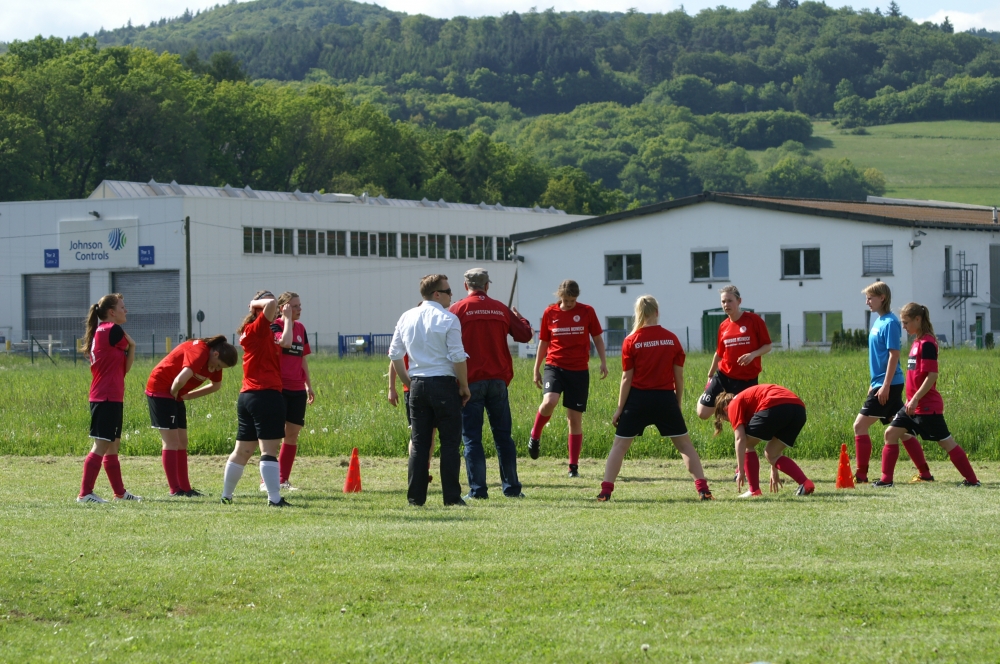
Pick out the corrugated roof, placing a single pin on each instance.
(960, 214)
(152, 189)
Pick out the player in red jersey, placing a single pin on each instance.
(178, 378)
(564, 346)
(764, 412)
(650, 394)
(923, 413)
(260, 410)
(743, 339)
(111, 352)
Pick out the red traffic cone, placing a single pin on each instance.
(352, 483)
(845, 479)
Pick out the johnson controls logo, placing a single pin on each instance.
(116, 239)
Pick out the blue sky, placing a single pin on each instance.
(19, 20)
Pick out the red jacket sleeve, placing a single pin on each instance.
(520, 328)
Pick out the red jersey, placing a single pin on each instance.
(568, 334)
(108, 351)
(757, 398)
(922, 361)
(485, 325)
(293, 376)
(406, 363)
(193, 355)
(261, 357)
(652, 352)
(737, 339)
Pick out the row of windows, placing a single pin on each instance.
(819, 326)
(307, 242)
(796, 263)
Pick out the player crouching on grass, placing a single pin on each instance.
(923, 413)
(175, 379)
(111, 353)
(764, 412)
(650, 394)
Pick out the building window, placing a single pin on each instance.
(484, 248)
(267, 240)
(359, 243)
(436, 246)
(283, 241)
(336, 243)
(876, 258)
(773, 323)
(709, 265)
(800, 263)
(458, 247)
(618, 327)
(820, 326)
(309, 242)
(409, 245)
(253, 240)
(622, 268)
(505, 249)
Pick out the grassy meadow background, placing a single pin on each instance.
(44, 411)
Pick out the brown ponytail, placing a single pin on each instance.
(911, 310)
(95, 315)
(227, 351)
(722, 410)
(253, 314)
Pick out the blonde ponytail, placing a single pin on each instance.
(645, 308)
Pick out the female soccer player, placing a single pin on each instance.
(743, 339)
(260, 410)
(394, 400)
(174, 380)
(885, 393)
(296, 384)
(111, 352)
(923, 414)
(564, 345)
(650, 394)
(764, 412)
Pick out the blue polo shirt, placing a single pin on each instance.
(883, 337)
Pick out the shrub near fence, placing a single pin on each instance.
(43, 408)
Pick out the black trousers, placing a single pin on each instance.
(435, 404)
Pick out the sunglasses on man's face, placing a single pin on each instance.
(446, 290)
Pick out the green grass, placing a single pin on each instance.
(954, 160)
(902, 575)
(43, 408)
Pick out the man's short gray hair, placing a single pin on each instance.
(477, 278)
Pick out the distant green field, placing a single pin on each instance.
(955, 160)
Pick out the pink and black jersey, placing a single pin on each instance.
(922, 361)
(293, 376)
(108, 352)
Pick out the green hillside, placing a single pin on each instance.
(953, 160)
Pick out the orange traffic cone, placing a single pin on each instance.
(845, 479)
(352, 483)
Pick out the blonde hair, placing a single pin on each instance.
(730, 289)
(911, 310)
(645, 308)
(96, 315)
(722, 410)
(881, 289)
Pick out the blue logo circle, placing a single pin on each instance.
(116, 239)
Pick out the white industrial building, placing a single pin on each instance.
(801, 264)
(355, 261)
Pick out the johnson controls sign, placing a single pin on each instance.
(98, 244)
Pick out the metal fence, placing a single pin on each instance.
(354, 345)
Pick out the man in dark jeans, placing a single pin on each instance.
(485, 325)
(438, 383)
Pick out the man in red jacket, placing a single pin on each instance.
(485, 325)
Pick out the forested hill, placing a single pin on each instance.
(790, 56)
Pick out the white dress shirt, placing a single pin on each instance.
(432, 337)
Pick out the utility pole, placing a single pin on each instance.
(187, 270)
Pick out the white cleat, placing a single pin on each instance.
(90, 498)
(128, 496)
(750, 494)
(287, 486)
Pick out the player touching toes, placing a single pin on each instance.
(178, 378)
(260, 410)
(923, 413)
(764, 412)
(650, 394)
(564, 346)
(111, 353)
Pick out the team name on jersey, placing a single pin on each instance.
(296, 349)
(736, 341)
(653, 343)
(485, 312)
(911, 364)
(569, 330)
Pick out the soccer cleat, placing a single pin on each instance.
(859, 478)
(534, 447)
(90, 498)
(805, 489)
(458, 503)
(287, 486)
(178, 494)
(750, 494)
(705, 495)
(603, 497)
(879, 484)
(129, 496)
(574, 470)
(280, 503)
(263, 487)
(226, 501)
(964, 483)
(918, 478)
(194, 493)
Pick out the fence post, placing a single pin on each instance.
(788, 335)
(687, 333)
(152, 348)
(74, 351)
(316, 337)
(31, 346)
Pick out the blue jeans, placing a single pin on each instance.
(491, 396)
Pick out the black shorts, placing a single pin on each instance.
(260, 415)
(167, 413)
(651, 407)
(406, 403)
(573, 385)
(873, 408)
(295, 406)
(106, 420)
(928, 427)
(783, 422)
(722, 383)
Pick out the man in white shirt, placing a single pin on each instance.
(439, 386)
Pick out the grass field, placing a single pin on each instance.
(43, 408)
(953, 160)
